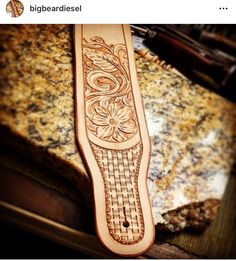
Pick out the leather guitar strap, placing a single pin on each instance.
(112, 135)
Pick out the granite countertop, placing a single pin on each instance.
(192, 129)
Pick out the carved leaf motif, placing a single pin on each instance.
(97, 39)
(106, 62)
(110, 109)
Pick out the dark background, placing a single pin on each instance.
(19, 244)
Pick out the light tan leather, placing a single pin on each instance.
(113, 137)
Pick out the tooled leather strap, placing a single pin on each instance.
(112, 136)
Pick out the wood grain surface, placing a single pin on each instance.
(181, 117)
(217, 241)
(47, 133)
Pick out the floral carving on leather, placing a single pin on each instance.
(113, 122)
(110, 113)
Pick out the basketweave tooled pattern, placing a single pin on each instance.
(111, 119)
(119, 170)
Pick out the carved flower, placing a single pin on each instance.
(114, 123)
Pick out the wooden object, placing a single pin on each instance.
(60, 218)
(65, 221)
(113, 137)
(187, 123)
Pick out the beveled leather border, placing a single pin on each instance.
(93, 169)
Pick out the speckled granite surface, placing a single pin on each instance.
(192, 130)
(193, 136)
